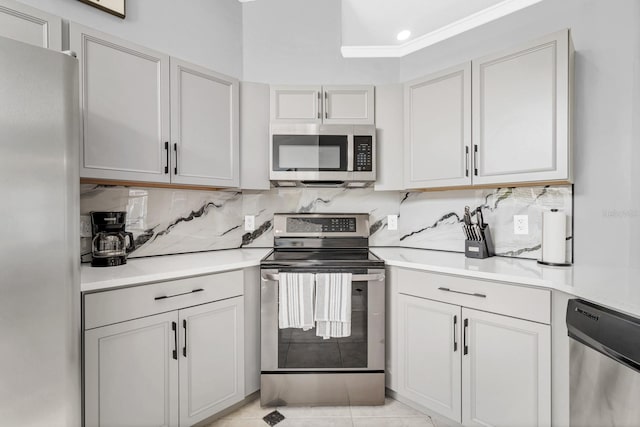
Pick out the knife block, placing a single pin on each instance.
(480, 248)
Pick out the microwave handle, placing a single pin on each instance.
(350, 153)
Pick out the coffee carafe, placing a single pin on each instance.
(109, 246)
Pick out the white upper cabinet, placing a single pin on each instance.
(521, 113)
(124, 97)
(296, 104)
(348, 105)
(323, 104)
(204, 126)
(30, 25)
(151, 118)
(438, 129)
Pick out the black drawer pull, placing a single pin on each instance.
(463, 293)
(177, 295)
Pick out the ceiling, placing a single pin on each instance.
(370, 27)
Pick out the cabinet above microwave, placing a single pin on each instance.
(335, 105)
(322, 155)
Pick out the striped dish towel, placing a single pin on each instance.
(333, 305)
(296, 294)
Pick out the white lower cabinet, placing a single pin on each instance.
(176, 368)
(211, 360)
(429, 341)
(471, 366)
(131, 377)
(506, 367)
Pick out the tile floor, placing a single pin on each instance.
(392, 414)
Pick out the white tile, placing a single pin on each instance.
(391, 408)
(316, 422)
(257, 422)
(314, 411)
(248, 411)
(392, 422)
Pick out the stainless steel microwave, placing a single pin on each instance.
(323, 155)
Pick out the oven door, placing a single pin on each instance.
(294, 350)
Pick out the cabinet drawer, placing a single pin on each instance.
(105, 308)
(502, 298)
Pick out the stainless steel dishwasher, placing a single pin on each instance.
(604, 366)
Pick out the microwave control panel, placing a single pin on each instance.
(363, 147)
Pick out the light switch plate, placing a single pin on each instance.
(392, 222)
(521, 224)
(249, 223)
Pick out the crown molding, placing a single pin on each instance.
(477, 19)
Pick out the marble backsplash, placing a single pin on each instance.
(167, 221)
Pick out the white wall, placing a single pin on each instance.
(206, 32)
(607, 128)
(298, 42)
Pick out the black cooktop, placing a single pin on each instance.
(326, 258)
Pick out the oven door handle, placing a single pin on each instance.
(379, 277)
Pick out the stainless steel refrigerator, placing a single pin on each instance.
(39, 241)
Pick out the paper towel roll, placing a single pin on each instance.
(554, 231)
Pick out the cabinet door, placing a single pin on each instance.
(296, 104)
(30, 25)
(211, 359)
(506, 371)
(124, 96)
(204, 126)
(351, 105)
(438, 129)
(429, 349)
(521, 113)
(131, 373)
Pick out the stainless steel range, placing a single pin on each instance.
(298, 367)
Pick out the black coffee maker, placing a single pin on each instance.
(109, 246)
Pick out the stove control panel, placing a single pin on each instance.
(321, 225)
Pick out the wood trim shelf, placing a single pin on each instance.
(502, 185)
(99, 181)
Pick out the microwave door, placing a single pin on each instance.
(311, 157)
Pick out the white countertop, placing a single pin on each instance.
(617, 288)
(154, 269)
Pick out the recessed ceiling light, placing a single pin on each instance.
(403, 35)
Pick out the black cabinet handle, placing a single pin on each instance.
(177, 295)
(475, 159)
(166, 148)
(175, 167)
(455, 332)
(174, 328)
(184, 349)
(464, 337)
(466, 160)
(326, 105)
(475, 294)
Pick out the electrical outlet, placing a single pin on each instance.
(249, 223)
(392, 222)
(85, 226)
(521, 224)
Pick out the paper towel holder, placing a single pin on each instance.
(554, 264)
